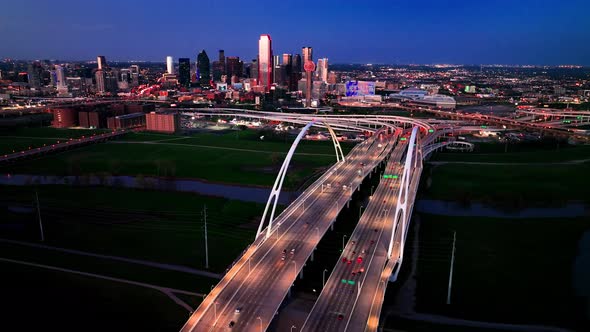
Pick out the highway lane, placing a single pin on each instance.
(270, 278)
(275, 272)
(237, 269)
(366, 311)
(336, 302)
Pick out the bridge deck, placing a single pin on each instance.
(260, 280)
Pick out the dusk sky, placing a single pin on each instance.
(379, 31)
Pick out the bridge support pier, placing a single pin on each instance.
(332, 225)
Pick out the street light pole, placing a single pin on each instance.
(39, 216)
(324, 277)
(206, 243)
(451, 270)
(293, 327)
(360, 209)
(294, 267)
(343, 238)
(260, 322)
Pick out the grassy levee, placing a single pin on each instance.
(506, 270)
(508, 185)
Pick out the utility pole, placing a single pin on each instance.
(206, 245)
(39, 216)
(451, 271)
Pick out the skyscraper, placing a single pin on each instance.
(295, 72)
(219, 67)
(234, 66)
(100, 81)
(265, 62)
(170, 65)
(222, 57)
(134, 75)
(254, 69)
(307, 54)
(203, 69)
(287, 70)
(34, 74)
(184, 72)
(102, 62)
(322, 69)
(276, 71)
(287, 59)
(297, 63)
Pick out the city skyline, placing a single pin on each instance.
(502, 32)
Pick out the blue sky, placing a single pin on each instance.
(378, 31)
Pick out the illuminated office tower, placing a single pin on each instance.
(170, 65)
(265, 65)
(307, 55)
(276, 71)
(322, 69)
(102, 62)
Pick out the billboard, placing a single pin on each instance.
(360, 88)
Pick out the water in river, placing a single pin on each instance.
(244, 193)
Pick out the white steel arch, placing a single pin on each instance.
(402, 197)
(276, 189)
(339, 153)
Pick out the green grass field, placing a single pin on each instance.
(495, 153)
(246, 139)
(21, 138)
(163, 227)
(508, 185)
(49, 132)
(512, 271)
(245, 160)
(38, 299)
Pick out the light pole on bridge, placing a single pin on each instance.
(451, 270)
(343, 238)
(324, 277)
